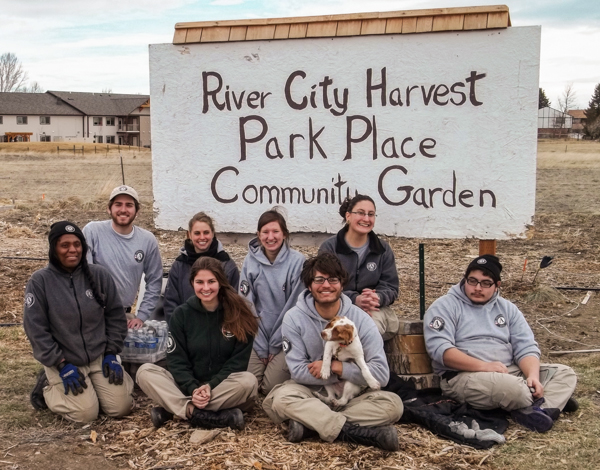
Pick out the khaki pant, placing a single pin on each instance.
(275, 373)
(489, 390)
(387, 322)
(291, 400)
(239, 390)
(115, 400)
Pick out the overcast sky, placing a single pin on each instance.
(76, 45)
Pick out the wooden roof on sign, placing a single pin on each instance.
(354, 24)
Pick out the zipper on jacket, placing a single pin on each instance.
(80, 319)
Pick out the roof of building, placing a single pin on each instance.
(102, 104)
(35, 104)
(577, 113)
(355, 24)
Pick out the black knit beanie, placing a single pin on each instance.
(488, 264)
(59, 229)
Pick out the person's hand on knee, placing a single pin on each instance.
(111, 369)
(72, 378)
(536, 386)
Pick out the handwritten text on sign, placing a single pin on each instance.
(439, 129)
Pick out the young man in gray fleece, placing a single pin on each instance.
(366, 419)
(128, 252)
(486, 355)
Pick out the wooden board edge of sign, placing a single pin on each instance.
(391, 22)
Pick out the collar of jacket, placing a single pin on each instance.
(63, 272)
(342, 247)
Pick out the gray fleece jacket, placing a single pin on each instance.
(273, 289)
(377, 271)
(303, 344)
(63, 320)
(179, 288)
(496, 331)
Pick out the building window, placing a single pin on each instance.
(21, 119)
(110, 121)
(0, 119)
(45, 138)
(44, 120)
(97, 121)
(110, 139)
(99, 139)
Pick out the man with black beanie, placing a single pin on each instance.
(485, 353)
(75, 322)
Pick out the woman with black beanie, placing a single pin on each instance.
(76, 325)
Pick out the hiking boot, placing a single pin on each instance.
(232, 418)
(533, 417)
(160, 416)
(298, 432)
(36, 397)
(384, 437)
(571, 405)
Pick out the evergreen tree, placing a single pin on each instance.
(592, 115)
(543, 100)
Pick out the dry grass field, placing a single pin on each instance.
(44, 186)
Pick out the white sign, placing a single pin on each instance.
(439, 129)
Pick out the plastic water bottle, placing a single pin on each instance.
(129, 346)
(140, 346)
(151, 344)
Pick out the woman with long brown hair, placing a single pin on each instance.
(210, 341)
(201, 241)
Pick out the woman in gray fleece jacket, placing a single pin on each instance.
(270, 279)
(369, 261)
(75, 322)
(200, 241)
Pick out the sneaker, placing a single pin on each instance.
(160, 416)
(295, 431)
(384, 437)
(36, 397)
(233, 418)
(533, 418)
(571, 405)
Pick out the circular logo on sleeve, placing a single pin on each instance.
(171, 345)
(70, 228)
(244, 287)
(29, 300)
(286, 345)
(371, 266)
(500, 321)
(437, 323)
(139, 256)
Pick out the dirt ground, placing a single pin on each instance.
(38, 187)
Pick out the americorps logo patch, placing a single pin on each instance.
(481, 261)
(171, 345)
(371, 266)
(437, 323)
(228, 334)
(500, 321)
(89, 294)
(70, 228)
(286, 345)
(139, 256)
(29, 300)
(244, 287)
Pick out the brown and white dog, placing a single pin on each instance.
(343, 343)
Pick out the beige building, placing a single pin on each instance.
(62, 116)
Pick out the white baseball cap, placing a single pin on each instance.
(124, 190)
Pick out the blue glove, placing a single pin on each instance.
(112, 369)
(72, 379)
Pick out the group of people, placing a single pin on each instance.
(234, 335)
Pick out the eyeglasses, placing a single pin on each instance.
(370, 215)
(485, 283)
(321, 280)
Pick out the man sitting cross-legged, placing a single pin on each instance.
(486, 355)
(367, 418)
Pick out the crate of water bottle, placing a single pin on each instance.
(146, 344)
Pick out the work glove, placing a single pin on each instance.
(72, 378)
(112, 369)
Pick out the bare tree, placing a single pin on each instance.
(35, 87)
(12, 75)
(568, 100)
